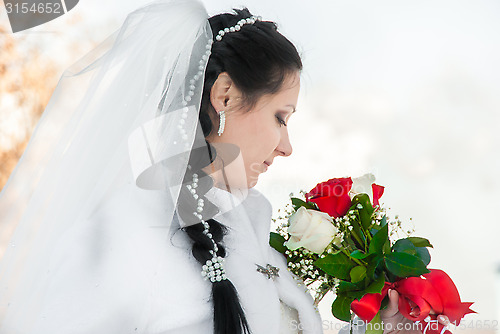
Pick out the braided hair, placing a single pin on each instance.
(258, 59)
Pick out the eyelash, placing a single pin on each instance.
(280, 120)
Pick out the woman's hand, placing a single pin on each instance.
(394, 321)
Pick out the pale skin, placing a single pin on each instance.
(391, 316)
(261, 135)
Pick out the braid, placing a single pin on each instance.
(202, 244)
(257, 59)
(206, 234)
(229, 317)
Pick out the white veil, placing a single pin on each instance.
(122, 120)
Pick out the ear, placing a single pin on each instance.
(224, 93)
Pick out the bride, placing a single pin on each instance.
(133, 209)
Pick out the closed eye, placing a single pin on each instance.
(280, 120)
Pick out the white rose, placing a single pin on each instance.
(362, 185)
(311, 229)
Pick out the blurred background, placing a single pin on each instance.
(406, 90)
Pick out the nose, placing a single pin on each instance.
(284, 146)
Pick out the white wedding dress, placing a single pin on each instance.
(140, 277)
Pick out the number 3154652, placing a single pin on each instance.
(47, 7)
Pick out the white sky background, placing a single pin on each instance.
(407, 90)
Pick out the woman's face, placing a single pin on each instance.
(261, 132)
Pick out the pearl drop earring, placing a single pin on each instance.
(222, 121)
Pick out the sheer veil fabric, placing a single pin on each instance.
(122, 120)
(89, 220)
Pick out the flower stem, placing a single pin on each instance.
(323, 289)
(358, 239)
(355, 260)
(343, 250)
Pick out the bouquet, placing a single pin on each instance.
(338, 238)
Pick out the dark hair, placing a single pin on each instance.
(258, 59)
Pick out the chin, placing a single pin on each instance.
(252, 181)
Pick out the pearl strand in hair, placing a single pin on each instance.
(188, 97)
(237, 27)
(213, 269)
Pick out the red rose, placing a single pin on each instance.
(377, 191)
(367, 307)
(417, 297)
(332, 196)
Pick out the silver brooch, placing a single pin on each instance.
(270, 271)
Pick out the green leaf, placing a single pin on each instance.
(405, 246)
(420, 242)
(358, 290)
(374, 230)
(346, 287)
(383, 222)
(404, 264)
(365, 214)
(350, 243)
(387, 247)
(297, 203)
(338, 265)
(379, 239)
(276, 241)
(341, 307)
(376, 286)
(354, 290)
(358, 294)
(375, 262)
(375, 326)
(357, 254)
(356, 230)
(358, 273)
(423, 254)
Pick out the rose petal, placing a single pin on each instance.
(378, 191)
